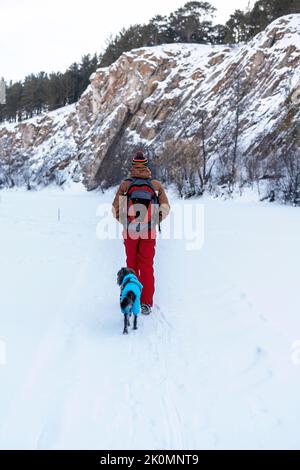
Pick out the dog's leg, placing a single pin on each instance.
(135, 323)
(125, 331)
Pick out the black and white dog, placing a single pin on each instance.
(130, 296)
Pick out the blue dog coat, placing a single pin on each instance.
(132, 284)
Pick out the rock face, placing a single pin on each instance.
(156, 97)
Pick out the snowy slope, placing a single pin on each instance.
(211, 368)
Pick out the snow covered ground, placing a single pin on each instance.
(213, 367)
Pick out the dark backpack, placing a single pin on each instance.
(142, 205)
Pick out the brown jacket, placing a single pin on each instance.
(119, 206)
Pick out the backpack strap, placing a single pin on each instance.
(159, 223)
(131, 181)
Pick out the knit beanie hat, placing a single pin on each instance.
(140, 158)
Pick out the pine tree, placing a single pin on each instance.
(266, 11)
(237, 27)
(160, 31)
(192, 22)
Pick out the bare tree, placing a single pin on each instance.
(230, 164)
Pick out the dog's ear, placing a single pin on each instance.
(120, 277)
(121, 274)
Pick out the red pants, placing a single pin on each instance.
(140, 257)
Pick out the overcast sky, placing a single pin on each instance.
(49, 35)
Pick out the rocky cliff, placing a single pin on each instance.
(168, 99)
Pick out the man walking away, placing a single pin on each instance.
(140, 205)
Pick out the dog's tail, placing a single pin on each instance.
(127, 302)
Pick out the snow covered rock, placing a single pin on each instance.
(155, 97)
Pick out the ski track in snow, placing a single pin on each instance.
(210, 368)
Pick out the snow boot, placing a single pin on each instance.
(146, 309)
